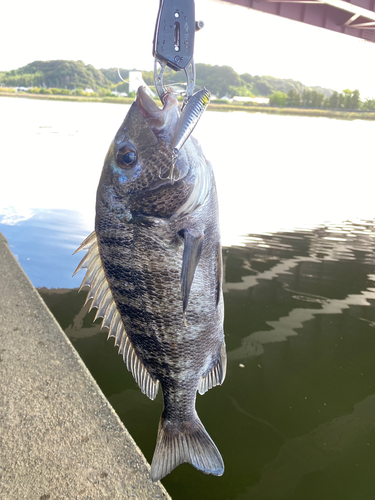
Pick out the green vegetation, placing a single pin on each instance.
(215, 105)
(74, 80)
(57, 74)
(312, 99)
(72, 75)
(224, 81)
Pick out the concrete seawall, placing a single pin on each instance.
(59, 436)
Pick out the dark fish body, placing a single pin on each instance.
(154, 267)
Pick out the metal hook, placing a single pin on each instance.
(170, 176)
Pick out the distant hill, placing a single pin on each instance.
(112, 74)
(58, 74)
(224, 81)
(267, 85)
(220, 80)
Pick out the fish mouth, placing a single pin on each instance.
(161, 121)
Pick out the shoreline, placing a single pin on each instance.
(213, 106)
(61, 438)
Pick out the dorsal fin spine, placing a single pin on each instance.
(118, 336)
(86, 261)
(91, 272)
(103, 300)
(108, 316)
(98, 294)
(122, 345)
(87, 243)
(96, 283)
(114, 324)
(105, 304)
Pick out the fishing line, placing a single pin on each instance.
(119, 74)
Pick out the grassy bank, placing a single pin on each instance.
(214, 106)
(72, 98)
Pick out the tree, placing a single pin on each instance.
(294, 99)
(56, 74)
(351, 99)
(306, 98)
(240, 91)
(341, 101)
(369, 104)
(355, 100)
(334, 100)
(219, 79)
(316, 99)
(347, 94)
(124, 86)
(264, 88)
(312, 99)
(325, 103)
(278, 99)
(247, 78)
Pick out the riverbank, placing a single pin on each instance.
(214, 106)
(59, 435)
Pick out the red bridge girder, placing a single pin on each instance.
(356, 18)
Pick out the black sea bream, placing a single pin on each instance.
(155, 272)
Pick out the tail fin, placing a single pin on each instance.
(188, 443)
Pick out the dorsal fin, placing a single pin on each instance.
(107, 309)
(217, 373)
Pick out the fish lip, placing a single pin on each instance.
(163, 124)
(162, 121)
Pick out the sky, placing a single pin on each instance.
(120, 34)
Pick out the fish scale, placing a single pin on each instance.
(154, 267)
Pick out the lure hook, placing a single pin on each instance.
(170, 176)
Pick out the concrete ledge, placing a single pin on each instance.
(59, 436)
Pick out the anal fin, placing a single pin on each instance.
(217, 373)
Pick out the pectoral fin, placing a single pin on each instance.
(219, 273)
(192, 253)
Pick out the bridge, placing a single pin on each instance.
(355, 18)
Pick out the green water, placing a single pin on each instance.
(295, 417)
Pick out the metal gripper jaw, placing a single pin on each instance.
(174, 42)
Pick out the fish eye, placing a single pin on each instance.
(126, 157)
(129, 157)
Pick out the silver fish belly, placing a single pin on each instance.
(155, 272)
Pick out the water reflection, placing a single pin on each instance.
(300, 468)
(296, 416)
(271, 171)
(331, 256)
(43, 242)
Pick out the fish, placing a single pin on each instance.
(154, 268)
